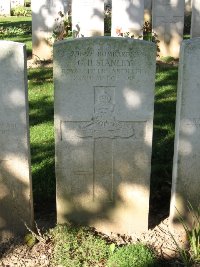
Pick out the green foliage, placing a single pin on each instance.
(191, 255)
(78, 247)
(15, 31)
(107, 20)
(63, 27)
(19, 11)
(150, 35)
(137, 255)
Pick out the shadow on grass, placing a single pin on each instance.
(15, 22)
(41, 111)
(163, 143)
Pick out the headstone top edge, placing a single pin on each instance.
(191, 41)
(106, 38)
(12, 43)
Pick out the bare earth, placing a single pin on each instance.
(16, 253)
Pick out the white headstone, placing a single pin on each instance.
(195, 23)
(127, 16)
(168, 23)
(16, 205)
(44, 15)
(186, 167)
(88, 18)
(147, 10)
(188, 6)
(104, 96)
(15, 3)
(5, 7)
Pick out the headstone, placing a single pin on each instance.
(168, 23)
(16, 3)
(16, 205)
(45, 18)
(186, 167)
(127, 17)
(104, 94)
(195, 22)
(4, 7)
(188, 6)
(147, 10)
(88, 18)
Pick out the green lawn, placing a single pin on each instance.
(17, 29)
(41, 132)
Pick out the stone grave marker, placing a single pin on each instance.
(147, 10)
(168, 23)
(4, 7)
(16, 204)
(104, 95)
(188, 7)
(195, 22)
(186, 167)
(88, 18)
(45, 18)
(15, 3)
(127, 16)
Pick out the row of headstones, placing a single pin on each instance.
(104, 105)
(7, 5)
(127, 16)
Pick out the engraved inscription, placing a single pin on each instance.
(193, 122)
(102, 131)
(7, 127)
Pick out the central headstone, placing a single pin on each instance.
(168, 23)
(127, 17)
(88, 18)
(104, 99)
(16, 204)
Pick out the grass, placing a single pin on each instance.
(13, 24)
(42, 132)
(82, 247)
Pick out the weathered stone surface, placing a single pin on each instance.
(16, 206)
(186, 167)
(147, 10)
(195, 22)
(127, 16)
(188, 6)
(168, 23)
(88, 18)
(45, 19)
(5, 7)
(15, 3)
(104, 94)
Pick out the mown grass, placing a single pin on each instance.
(12, 24)
(42, 132)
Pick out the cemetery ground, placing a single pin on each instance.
(83, 243)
